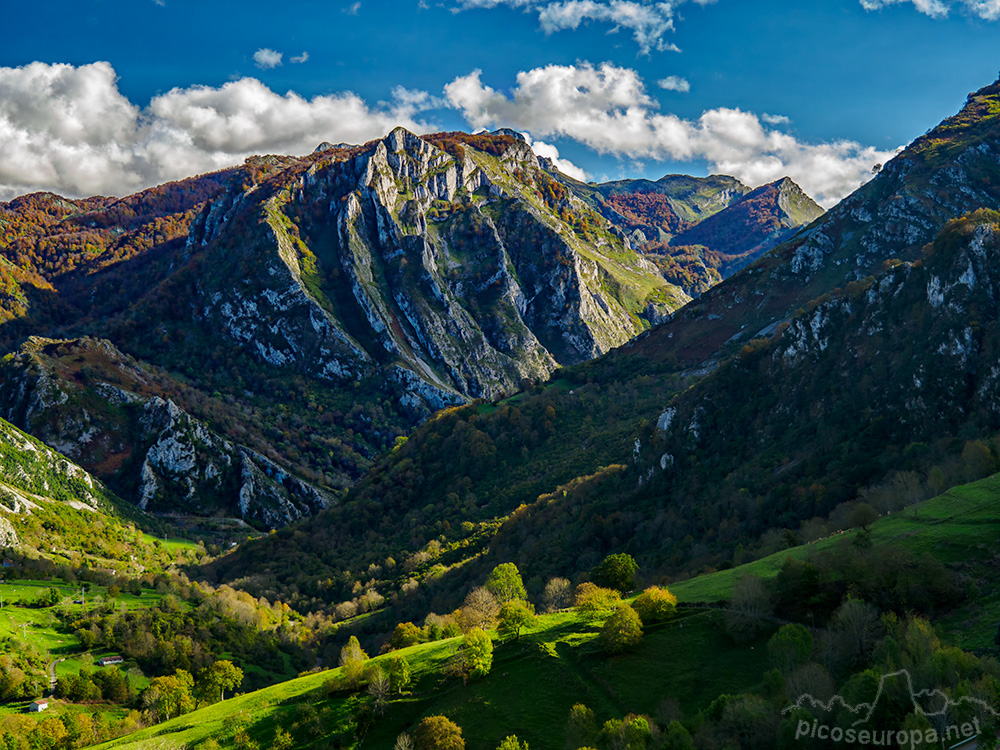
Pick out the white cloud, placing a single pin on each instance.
(70, 130)
(608, 109)
(648, 21)
(674, 83)
(300, 58)
(352, 9)
(988, 10)
(267, 58)
(775, 119)
(550, 152)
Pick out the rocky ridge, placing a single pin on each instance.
(86, 400)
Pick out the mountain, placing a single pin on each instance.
(699, 230)
(565, 473)
(311, 310)
(51, 508)
(661, 209)
(107, 412)
(454, 266)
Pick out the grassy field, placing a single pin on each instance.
(530, 690)
(38, 627)
(960, 528)
(960, 525)
(679, 669)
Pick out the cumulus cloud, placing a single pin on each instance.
(352, 9)
(674, 83)
(70, 130)
(607, 108)
(550, 152)
(988, 10)
(300, 58)
(647, 21)
(775, 119)
(266, 59)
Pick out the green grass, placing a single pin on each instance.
(40, 628)
(175, 544)
(954, 527)
(530, 690)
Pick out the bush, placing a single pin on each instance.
(595, 602)
(622, 631)
(438, 733)
(616, 572)
(655, 604)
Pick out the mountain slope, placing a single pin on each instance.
(466, 465)
(51, 508)
(107, 412)
(459, 270)
(893, 375)
(658, 210)
(753, 224)
(699, 230)
(715, 248)
(340, 297)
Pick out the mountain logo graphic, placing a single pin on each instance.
(920, 698)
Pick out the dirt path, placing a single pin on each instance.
(52, 675)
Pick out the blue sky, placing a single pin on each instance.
(818, 90)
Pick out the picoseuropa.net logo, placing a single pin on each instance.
(934, 705)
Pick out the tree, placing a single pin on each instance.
(223, 675)
(403, 742)
(581, 727)
(856, 629)
(616, 572)
(406, 634)
(621, 631)
(595, 602)
(863, 515)
(515, 615)
(399, 673)
(749, 607)
(790, 647)
(505, 583)
(352, 659)
(477, 653)
(655, 604)
(677, 737)
(480, 609)
(512, 743)
(379, 687)
(438, 733)
(170, 695)
(557, 595)
(282, 740)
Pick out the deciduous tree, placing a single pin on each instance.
(616, 572)
(477, 653)
(505, 583)
(622, 630)
(438, 733)
(515, 616)
(655, 604)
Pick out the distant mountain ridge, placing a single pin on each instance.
(700, 230)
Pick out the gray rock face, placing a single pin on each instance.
(153, 452)
(469, 269)
(908, 347)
